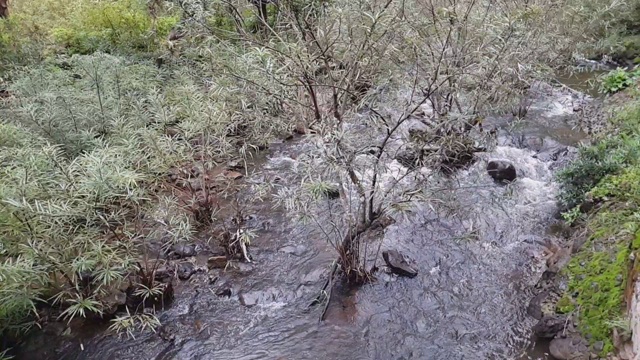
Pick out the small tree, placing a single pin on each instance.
(364, 74)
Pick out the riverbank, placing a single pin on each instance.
(590, 287)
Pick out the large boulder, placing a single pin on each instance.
(398, 264)
(570, 348)
(502, 171)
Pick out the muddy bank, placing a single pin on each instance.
(477, 246)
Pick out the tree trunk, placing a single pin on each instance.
(4, 9)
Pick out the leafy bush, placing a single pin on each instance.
(77, 107)
(122, 24)
(83, 186)
(595, 162)
(617, 80)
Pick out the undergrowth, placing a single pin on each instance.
(41, 28)
(600, 275)
(87, 145)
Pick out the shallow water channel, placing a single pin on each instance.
(478, 255)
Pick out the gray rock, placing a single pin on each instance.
(571, 348)
(313, 277)
(501, 171)
(225, 290)
(398, 264)
(250, 299)
(113, 300)
(186, 270)
(549, 326)
(163, 274)
(598, 346)
(243, 267)
(298, 250)
(183, 250)
(535, 305)
(553, 154)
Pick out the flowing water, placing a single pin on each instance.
(477, 251)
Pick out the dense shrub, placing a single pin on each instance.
(617, 80)
(84, 148)
(111, 25)
(595, 162)
(37, 28)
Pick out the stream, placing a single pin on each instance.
(478, 252)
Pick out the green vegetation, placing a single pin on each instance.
(38, 29)
(617, 80)
(118, 116)
(608, 173)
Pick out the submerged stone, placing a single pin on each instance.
(398, 264)
(502, 171)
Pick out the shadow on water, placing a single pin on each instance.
(476, 247)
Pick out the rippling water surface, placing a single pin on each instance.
(476, 252)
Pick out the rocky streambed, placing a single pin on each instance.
(480, 248)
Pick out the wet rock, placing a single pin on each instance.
(313, 277)
(217, 262)
(571, 348)
(535, 305)
(250, 299)
(183, 250)
(163, 274)
(298, 250)
(244, 267)
(398, 264)
(168, 332)
(549, 326)
(552, 154)
(225, 290)
(186, 270)
(531, 142)
(501, 171)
